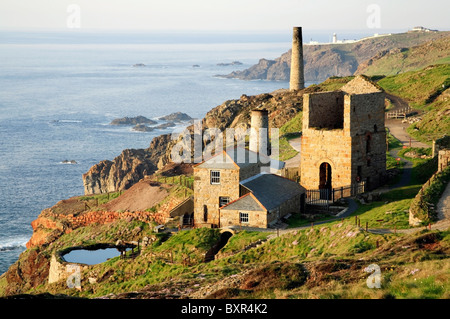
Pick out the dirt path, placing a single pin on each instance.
(397, 128)
(296, 145)
(443, 210)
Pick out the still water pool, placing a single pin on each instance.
(91, 257)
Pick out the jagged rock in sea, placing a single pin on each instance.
(132, 121)
(142, 128)
(231, 63)
(176, 117)
(166, 125)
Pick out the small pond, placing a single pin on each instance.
(90, 256)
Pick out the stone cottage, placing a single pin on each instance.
(234, 187)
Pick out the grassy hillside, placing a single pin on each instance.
(426, 89)
(400, 60)
(318, 262)
(420, 87)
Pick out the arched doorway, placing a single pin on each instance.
(325, 180)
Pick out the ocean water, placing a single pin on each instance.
(60, 91)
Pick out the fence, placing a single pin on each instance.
(403, 113)
(291, 173)
(325, 197)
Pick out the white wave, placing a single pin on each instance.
(13, 243)
(70, 121)
(69, 162)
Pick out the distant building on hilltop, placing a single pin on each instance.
(421, 29)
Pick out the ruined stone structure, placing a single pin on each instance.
(297, 79)
(229, 190)
(443, 159)
(259, 135)
(442, 143)
(344, 138)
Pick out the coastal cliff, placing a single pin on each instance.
(128, 168)
(325, 60)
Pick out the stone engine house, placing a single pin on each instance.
(344, 137)
(231, 190)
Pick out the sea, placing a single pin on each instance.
(59, 90)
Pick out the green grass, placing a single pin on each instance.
(298, 220)
(393, 208)
(294, 125)
(286, 151)
(417, 86)
(434, 124)
(431, 194)
(101, 198)
(381, 215)
(240, 240)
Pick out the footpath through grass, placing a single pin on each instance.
(392, 209)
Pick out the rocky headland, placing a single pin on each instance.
(326, 60)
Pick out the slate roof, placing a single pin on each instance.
(246, 202)
(268, 190)
(237, 157)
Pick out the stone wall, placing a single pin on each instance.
(206, 195)
(325, 110)
(441, 144)
(353, 143)
(332, 147)
(443, 159)
(255, 218)
(251, 170)
(261, 218)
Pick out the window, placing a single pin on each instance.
(223, 201)
(205, 213)
(368, 138)
(215, 177)
(243, 218)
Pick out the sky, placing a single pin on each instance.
(224, 15)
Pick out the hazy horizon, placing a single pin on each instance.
(366, 16)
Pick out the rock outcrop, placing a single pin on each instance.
(176, 117)
(132, 121)
(128, 168)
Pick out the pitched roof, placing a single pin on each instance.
(238, 157)
(268, 191)
(361, 85)
(247, 202)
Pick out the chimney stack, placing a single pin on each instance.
(297, 80)
(259, 135)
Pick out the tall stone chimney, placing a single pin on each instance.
(259, 135)
(297, 80)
